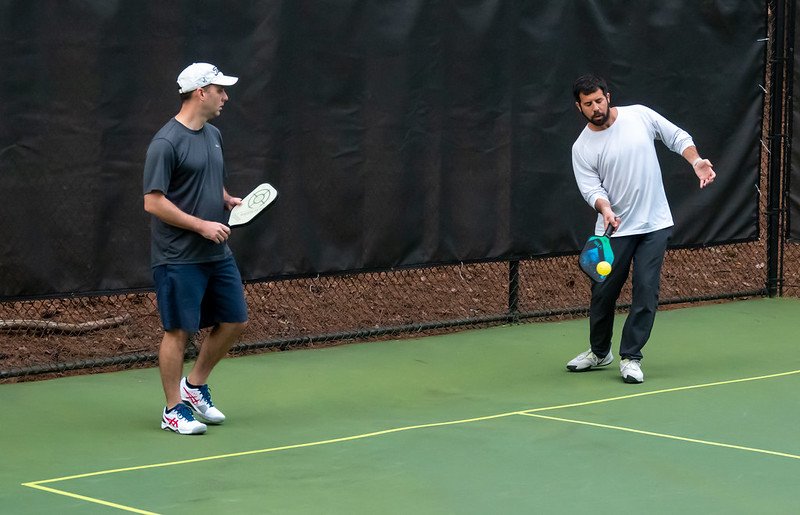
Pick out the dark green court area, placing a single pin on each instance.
(481, 421)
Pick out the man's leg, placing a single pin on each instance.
(605, 295)
(179, 291)
(647, 263)
(170, 364)
(223, 308)
(215, 346)
(176, 416)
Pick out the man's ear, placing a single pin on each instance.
(608, 97)
(578, 105)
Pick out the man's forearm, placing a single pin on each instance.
(162, 208)
(602, 206)
(691, 155)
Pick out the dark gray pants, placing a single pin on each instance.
(646, 253)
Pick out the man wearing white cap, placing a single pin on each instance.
(196, 279)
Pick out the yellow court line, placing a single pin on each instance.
(666, 390)
(89, 499)
(273, 449)
(670, 437)
(529, 412)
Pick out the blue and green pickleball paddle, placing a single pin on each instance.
(597, 251)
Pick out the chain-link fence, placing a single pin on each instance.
(45, 336)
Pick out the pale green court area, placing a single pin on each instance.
(480, 421)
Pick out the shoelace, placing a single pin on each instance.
(206, 394)
(182, 411)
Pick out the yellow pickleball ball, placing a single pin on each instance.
(603, 268)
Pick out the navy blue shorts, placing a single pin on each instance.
(194, 296)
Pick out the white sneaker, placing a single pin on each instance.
(181, 421)
(588, 360)
(631, 370)
(199, 400)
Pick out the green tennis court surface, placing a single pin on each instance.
(483, 421)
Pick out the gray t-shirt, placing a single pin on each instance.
(187, 166)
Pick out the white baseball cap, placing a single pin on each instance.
(199, 75)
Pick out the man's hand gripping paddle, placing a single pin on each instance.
(255, 203)
(597, 257)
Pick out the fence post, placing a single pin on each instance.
(777, 138)
(513, 290)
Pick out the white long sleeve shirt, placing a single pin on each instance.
(619, 164)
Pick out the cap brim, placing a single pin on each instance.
(225, 80)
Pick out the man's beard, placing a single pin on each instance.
(599, 122)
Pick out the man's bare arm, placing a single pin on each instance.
(158, 205)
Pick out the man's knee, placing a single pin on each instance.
(175, 338)
(646, 297)
(241, 326)
(233, 328)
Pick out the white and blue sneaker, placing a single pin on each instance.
(180, 420)
(588, 360)
(199, 401)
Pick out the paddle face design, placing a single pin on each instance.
(255, 203)
(597, 250)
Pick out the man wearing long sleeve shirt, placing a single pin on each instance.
(617, 172)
